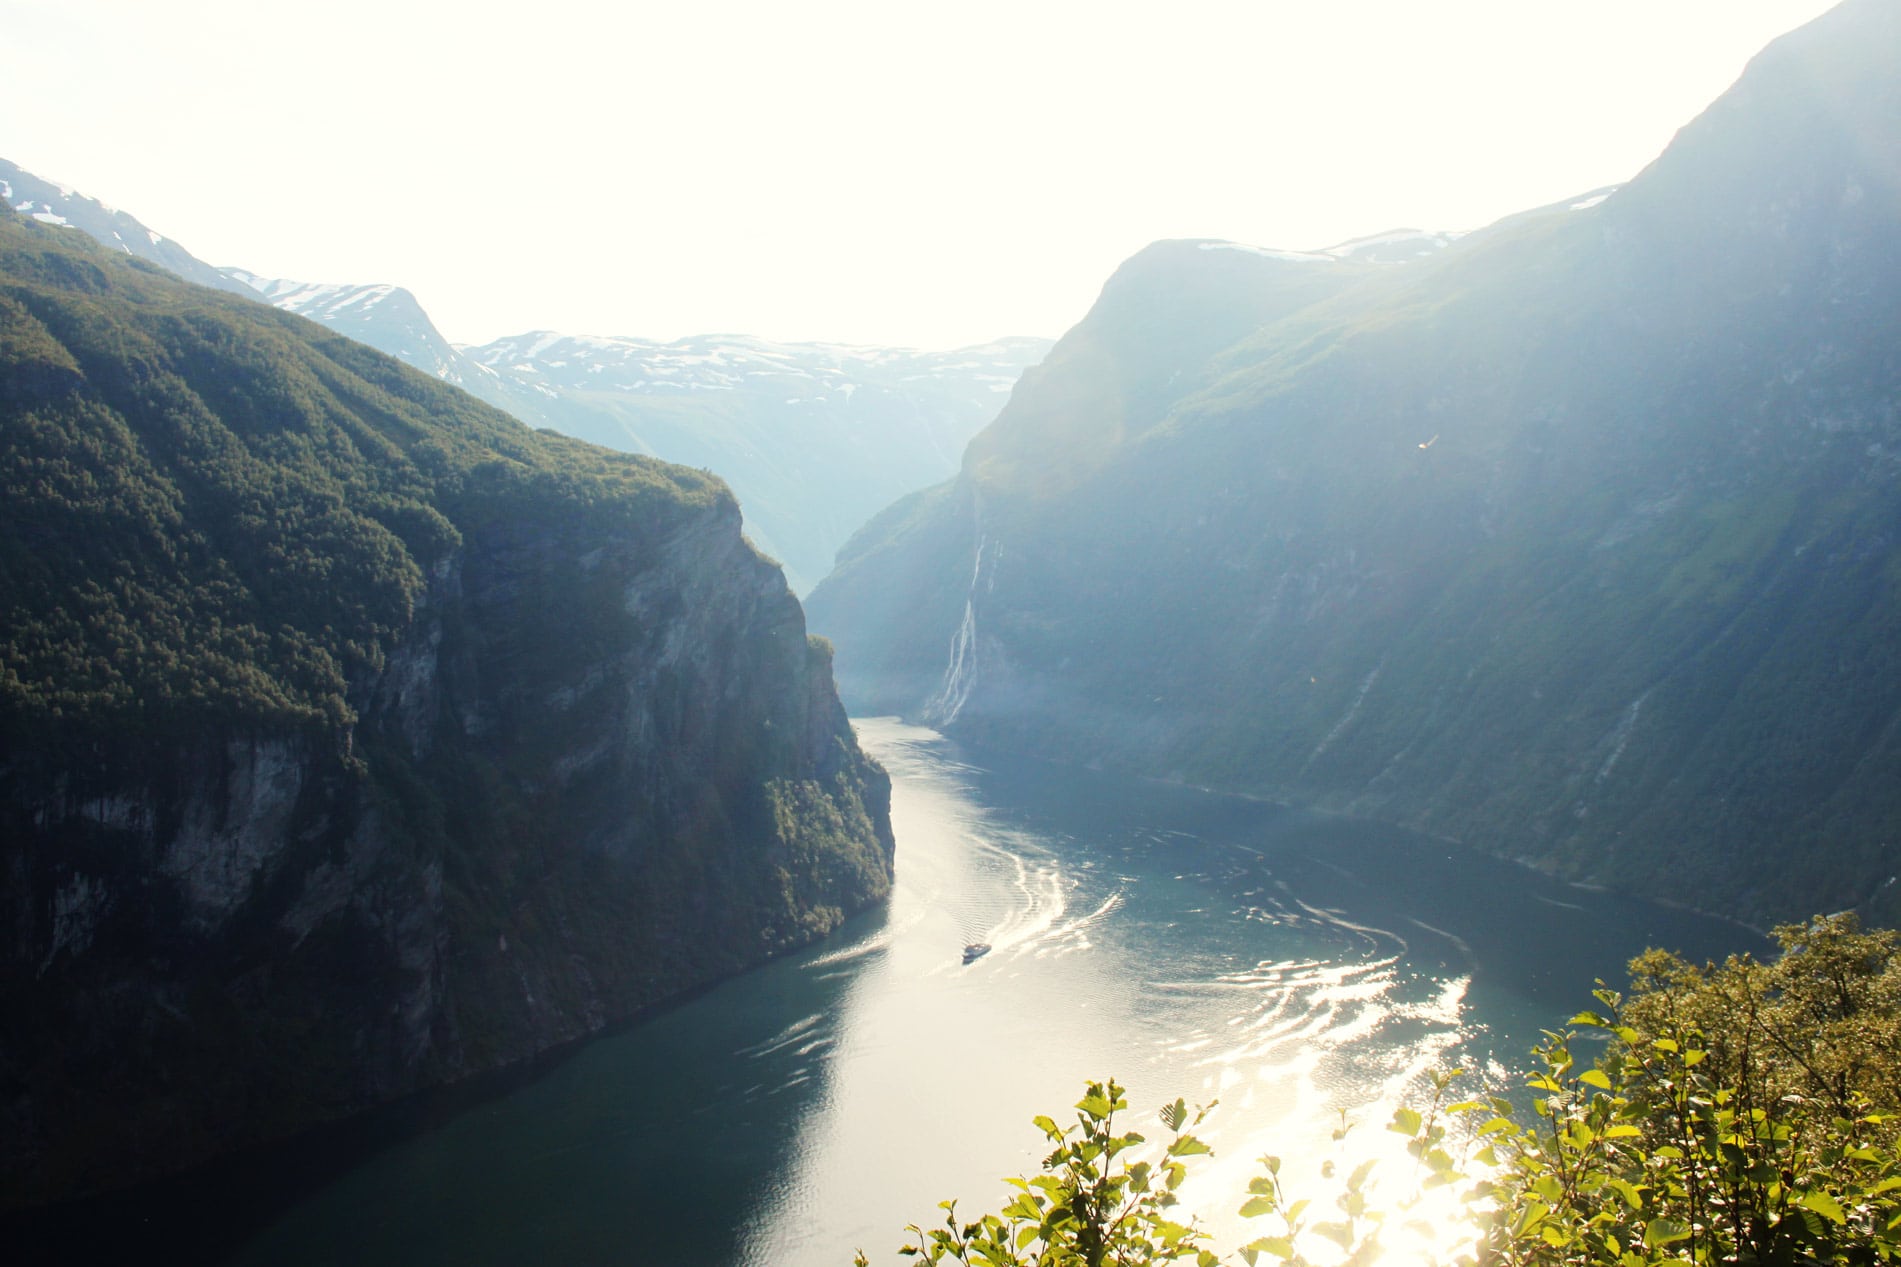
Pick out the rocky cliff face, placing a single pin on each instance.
(593, 759)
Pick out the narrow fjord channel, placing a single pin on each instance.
(1291, 965)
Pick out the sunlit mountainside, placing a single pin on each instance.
(1575, 539)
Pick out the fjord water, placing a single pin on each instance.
(1294, 966)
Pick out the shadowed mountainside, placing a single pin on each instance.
(354, 738)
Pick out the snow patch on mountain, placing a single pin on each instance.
(1396, 246)
(386, 317)
(53, 203)
(312, 298)
(1268, 252)
(1592, 199)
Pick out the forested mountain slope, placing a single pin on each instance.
(1575, 540)
(354, 738)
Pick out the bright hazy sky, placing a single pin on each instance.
(877, 172)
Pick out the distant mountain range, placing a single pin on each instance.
(1577, 538)
(814, 438)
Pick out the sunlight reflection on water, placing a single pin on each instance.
(1108, 958)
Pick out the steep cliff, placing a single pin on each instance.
(354, 739)
(1575, 540)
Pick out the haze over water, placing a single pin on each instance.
(1291, 965)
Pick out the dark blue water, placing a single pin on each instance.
(1294, 966)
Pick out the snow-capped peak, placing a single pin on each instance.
(308, 297)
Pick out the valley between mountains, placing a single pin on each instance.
(378, 713)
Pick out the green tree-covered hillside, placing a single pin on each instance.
(355, 738)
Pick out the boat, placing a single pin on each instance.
(975, 951)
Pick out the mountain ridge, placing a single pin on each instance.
(808, 468)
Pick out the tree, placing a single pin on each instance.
(1091, 1206)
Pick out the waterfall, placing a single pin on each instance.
(960, 674)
